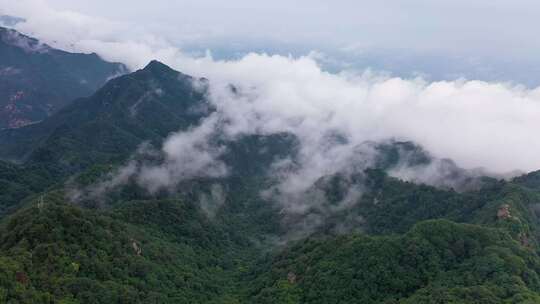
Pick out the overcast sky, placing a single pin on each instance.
(479, 27)
(494, 40)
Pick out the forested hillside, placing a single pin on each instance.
(75, 228)
(37, 80)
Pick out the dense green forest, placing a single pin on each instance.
(437, 261)
(398, 242)
(171, 251)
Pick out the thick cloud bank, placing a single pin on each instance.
(475, 123)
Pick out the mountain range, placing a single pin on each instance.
(80, 223)
(37, 80)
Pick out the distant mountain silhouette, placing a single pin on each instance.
(37, 80)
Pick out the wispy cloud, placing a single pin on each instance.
(474, 123)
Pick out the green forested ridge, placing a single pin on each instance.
(145, 252)
(143, 106)
(103, 129)
(408, 243)
(531, 180)
(437, 261)
(187, 256)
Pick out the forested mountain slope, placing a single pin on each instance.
(143, 106)
(226, 238)
(37, 80)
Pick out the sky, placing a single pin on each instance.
(458, 77)
(488, 26)
(493, 40)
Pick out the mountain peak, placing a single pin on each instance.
(157, 66)
(158, 70)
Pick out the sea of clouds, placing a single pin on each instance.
(475, 123)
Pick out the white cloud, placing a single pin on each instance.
(187, 155)
(475, 123)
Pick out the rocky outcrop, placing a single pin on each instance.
(291, 277)
(504, 212)
(136, 247)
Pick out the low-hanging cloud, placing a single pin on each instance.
(476, 124)
(187, 155)
(184, 156)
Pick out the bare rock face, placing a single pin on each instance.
(291, 277)
(22, 278)
(136, 247)
(504, 212)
